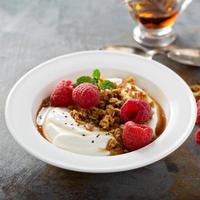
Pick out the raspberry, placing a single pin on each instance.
(136, 136)
(86, 95)
(198, 113)
(197, 136)
(62, 94)
(198, 103)
(135, 110)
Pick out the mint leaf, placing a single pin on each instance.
(106, 84)
(85, 79)
(96, 74)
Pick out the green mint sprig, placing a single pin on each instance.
(96, 74)
(106, 84)
(85, 79)
(95, 79)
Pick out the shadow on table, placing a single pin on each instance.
(175, 177)
(134, 184)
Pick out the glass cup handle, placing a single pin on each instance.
(185, 5)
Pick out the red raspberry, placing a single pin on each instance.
(198, 113)
(136, 136)
(135, 110)
(86, 95)
(62, 94)
(198, 103)
(197, 136)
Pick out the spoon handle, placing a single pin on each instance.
(185, 56)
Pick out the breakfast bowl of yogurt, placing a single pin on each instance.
(93, 115)
(97, 111)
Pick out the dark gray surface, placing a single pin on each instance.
(34, 31)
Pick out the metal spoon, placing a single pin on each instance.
(184, 56)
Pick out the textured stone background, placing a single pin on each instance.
(34, 31)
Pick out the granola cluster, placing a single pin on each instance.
(106, 115)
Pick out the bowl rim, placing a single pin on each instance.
(102, 170)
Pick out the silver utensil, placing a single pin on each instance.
(184, 56)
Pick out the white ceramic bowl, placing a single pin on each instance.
(163, 84)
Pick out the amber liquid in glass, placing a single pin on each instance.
(154, 14)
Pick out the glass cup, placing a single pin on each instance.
(155, 19)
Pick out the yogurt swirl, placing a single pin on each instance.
(61, 130)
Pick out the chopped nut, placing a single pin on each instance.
(130, 79)
(196, 91)
(89, 127)
(105, 122)
(112, 143)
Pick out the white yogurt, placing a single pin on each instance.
(61, 129)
